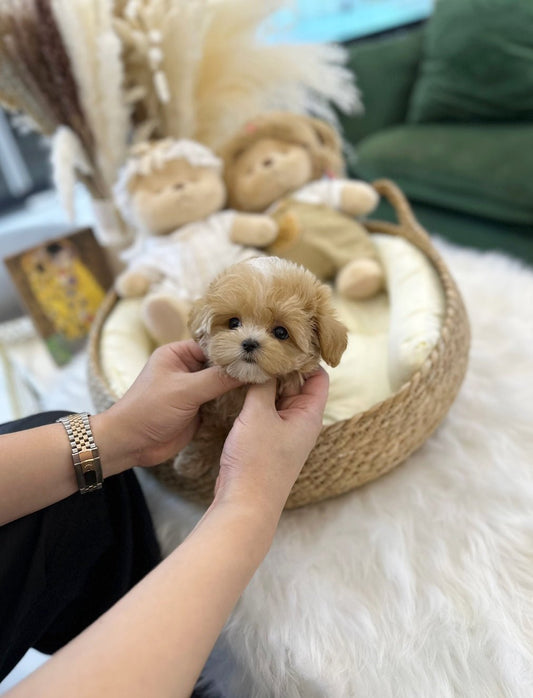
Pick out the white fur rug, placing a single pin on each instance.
(421, 583)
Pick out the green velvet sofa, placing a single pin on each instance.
(469, 181)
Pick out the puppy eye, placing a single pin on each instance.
(233, 323)
(280, 332)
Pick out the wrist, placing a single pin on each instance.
(250, 531)
(117, 452)
(258, 512)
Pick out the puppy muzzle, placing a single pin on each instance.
(249, 349)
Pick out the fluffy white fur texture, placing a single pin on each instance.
(419, 585)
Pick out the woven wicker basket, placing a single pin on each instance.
(353, 451)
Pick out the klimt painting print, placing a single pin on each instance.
(62, 283)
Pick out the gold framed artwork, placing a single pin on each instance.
(62, 283)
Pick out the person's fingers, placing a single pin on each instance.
(317, 385)
(210, 383)
(313, 395)
(261, 396)
(187, 355)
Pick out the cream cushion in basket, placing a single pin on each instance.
(390, 335)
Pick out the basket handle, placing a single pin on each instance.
(407, 226)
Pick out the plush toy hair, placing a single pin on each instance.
(150, 156)
(318, 137)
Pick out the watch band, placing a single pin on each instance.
(85, 455)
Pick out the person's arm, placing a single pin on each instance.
(36, 467)
(156, 417)
(155, 641)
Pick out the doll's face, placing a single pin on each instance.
(177, 194)
(266, 171)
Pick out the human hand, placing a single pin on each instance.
(158, 415)
(269, 444)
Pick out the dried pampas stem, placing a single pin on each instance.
(69, 162)
(163, 42)
(234, 84)
(35, 73)
(95, 54)
(19, 88)
(56, 67)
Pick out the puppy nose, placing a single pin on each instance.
(249, 344)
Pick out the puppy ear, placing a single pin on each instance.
(200, 318)
(332, 334)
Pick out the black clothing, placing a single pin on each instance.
(63, 566)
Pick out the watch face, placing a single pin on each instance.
(90, 478)
(90, 470)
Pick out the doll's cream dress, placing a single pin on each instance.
(184, 262)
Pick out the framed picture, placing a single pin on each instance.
(62, 283)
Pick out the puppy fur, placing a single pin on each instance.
(260, 319)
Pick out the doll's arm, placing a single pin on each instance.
(352, 197)
(136, 281)
(253, 229)
(357, 197)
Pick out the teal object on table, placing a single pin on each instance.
(342, 20)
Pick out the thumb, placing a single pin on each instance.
(210, 383)
(261, 396)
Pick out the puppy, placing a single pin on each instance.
(260, 319)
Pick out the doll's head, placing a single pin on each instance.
(267, 317)
(168, 183)
(276, 154)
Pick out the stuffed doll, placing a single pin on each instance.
(289, 166)
(172, 192)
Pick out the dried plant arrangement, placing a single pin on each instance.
(199, 68)
(61, 67)
(241, 75)
(99, 76)
(95, 53)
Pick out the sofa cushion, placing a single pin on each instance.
(477, 63)
(369, 60)
(484, 169)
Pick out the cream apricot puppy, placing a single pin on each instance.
(260, 319)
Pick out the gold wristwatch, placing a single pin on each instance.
(85, 455)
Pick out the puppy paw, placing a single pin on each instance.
(358, 198)
(165, 317)
(360, 279)
(132, 284)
